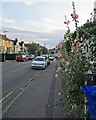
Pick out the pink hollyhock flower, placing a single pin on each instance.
(73, 44)
(58, 51)
(65, 23)
(56, 75)
(87, 55)
(54, 60)
(77, 54)
(59, 55)
(68, 22)
(75, 40)
(67, 38)
(76, 59)
(67, 63)
(76, 16)
(65, 70)
(71, 14)
(58, 68)
(78, 44)
(72, 50)
(59, 93)
(60, 45)
(81, 39)
(56, 71)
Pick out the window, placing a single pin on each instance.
(5, 44)
(0, 42)
(9, 44)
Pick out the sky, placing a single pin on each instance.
(41, 21)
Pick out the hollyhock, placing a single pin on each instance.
(58, 68)
(87, 55)
(65, 23)
(75, 40)
(56, 75)
(76, 16)
(67, 38)
(54, 60)
(68, 22)
(65, 70)
(81, 39)
(59, 55)
(58, 51)
(60, 45)
(56, 71)
(73, 44)
(59, 93)
(78, 44)
(67, 63)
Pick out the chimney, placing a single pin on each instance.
(5, 35)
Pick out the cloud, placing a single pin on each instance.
(43, 39)
(50, 38)
(47, 25)
(28, 3)
(6, 20)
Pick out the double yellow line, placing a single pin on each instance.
(6, 96)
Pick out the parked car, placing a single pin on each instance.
(21, 58)
(48, 60)
(55, 56)
(39, 62)
(51, 57)
(30, 57)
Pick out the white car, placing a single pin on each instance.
(39, 62)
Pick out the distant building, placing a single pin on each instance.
(10, 46)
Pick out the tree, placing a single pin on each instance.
(33, 48)
(44, 50)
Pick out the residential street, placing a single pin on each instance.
(30, 93)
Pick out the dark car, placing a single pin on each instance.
(51, 57)
(30, 57)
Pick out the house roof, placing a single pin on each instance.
(7, 39)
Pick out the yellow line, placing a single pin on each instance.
(6, 96)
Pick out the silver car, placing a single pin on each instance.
(39, 62)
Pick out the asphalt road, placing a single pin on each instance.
(30, 93)
(15, 74)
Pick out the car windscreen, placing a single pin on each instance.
(39, 59)
(19, 56)
(51, 56)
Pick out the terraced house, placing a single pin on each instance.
(10, 46)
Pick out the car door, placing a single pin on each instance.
(46, 61)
